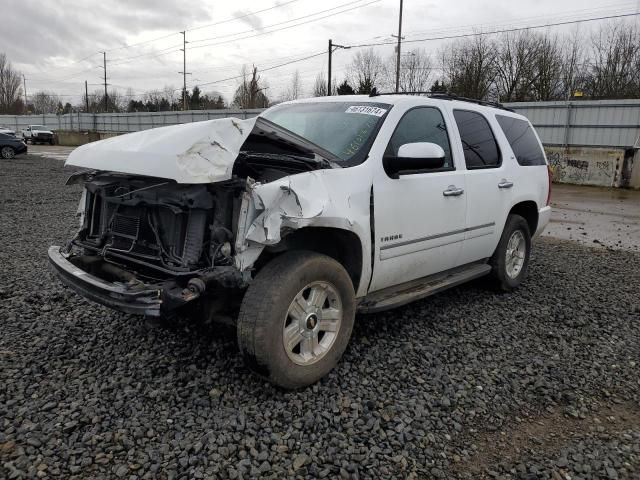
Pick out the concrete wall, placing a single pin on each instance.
(75, 139)
(634, 178)
(601, 167)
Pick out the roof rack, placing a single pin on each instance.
(444, 96)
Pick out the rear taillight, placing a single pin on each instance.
(549, 190)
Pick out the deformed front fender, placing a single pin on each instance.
(271, 211)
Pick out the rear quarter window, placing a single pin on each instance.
(523, 140)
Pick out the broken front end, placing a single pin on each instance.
(148, 246)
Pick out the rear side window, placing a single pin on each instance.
(479, 145)
(523, 140)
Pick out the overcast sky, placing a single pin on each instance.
(56, 44)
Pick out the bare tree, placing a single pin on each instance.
(574, 64)
(169, 92)
(416, 69)
(250, 93)
(615, 57)
(366, 71)
(10, 90)
(515, 65)
(44, 102)
(469, 67)
(294, 90)
(320, 86)
(547, 82)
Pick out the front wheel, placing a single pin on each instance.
(510, 261)
(296, 318)
(7, 153)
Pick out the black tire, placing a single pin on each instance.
(498, 262)
(7, 152)
(264, 313)
(51, 142)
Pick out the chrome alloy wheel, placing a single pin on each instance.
(516, 253)
(312, 323)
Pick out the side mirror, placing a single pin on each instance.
(415, 157)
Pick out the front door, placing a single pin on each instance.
(419, 218)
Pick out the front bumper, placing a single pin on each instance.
(139, 299)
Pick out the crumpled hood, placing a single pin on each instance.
(199, 152)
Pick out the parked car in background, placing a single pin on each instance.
(10, 146)
(314, 210)
(7, 130)
(37, 134)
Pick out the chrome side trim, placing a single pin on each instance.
(439, 235)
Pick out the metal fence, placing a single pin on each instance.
(120, 122)
(585, 123)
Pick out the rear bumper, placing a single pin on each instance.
(140, 299)
(544, 216)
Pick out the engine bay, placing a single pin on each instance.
(164, 229)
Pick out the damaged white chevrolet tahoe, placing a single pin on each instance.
(305, 215)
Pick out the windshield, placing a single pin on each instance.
(345, 129)
(38, 127)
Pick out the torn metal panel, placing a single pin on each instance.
(291, 204)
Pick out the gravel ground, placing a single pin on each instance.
(541, 383)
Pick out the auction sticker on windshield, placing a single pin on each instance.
(377, 111)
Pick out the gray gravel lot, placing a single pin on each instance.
(541, 383)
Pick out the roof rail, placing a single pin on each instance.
(444, 96)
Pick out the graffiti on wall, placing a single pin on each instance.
(583, 168)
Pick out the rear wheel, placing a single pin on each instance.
(296, 318)
(510, 261)
(7, 152)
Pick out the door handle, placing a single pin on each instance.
(453, 191)
(505, 184)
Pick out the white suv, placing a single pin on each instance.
(37, 134)
(313, 211)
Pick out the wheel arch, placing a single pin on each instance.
(528, 210)
(344, 246)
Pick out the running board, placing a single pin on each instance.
(402, 294)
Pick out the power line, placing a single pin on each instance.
(277, 5)
(264, 69)
(280, 23)
(176, 48)
(287, 27)
(513, 22)
(493, 32)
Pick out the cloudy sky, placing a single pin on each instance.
(58, 44)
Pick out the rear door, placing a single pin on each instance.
(419, 227)
(489, 180)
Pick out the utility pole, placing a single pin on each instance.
(399, 45)
(86, 96)
(106, 95)
(184, 70)
(332, 48)
(329, 77)
(26, 104)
